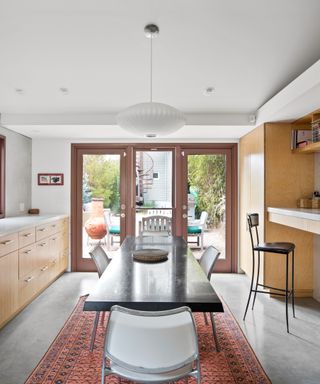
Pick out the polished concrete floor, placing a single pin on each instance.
(287, 358)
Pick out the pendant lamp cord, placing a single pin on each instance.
(151, 69)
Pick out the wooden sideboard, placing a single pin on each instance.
(30, 260)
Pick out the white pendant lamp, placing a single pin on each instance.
(151, 119)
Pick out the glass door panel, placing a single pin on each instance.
(207, 202)
(101, 202)
(153, 186)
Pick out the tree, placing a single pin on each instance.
(207, 176)
(103, 178)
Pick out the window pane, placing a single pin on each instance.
(101, 202)
(207, 202)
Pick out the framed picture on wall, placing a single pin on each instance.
(50, 179)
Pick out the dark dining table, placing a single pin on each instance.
(169, 284)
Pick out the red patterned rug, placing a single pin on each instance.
(69, 361)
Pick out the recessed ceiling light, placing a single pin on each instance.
(209, 91)
(19, 91)
(64, 91)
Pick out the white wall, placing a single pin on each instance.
(18, 172)
(51, 156)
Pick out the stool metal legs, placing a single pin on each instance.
(284, 292)
(292, 286)
(251, 286)
(257, 281)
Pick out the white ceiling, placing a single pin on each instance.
(248, 50)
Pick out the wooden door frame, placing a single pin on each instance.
(77, 151)
(230, 150)
(129, 149)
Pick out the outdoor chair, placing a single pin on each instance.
(207, 262)
(101, 261)
(151, 347)
(113, 230)
(197, 227)
(155, 226)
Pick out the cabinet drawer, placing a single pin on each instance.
(27, 237)
(8, 243)
(28, 260)
(65, 225)
(43, 252)
(43, 231)
(28, 287)
(56, 226)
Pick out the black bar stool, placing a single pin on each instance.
(279, 248)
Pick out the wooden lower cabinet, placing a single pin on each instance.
(29, 270)
(8, 285)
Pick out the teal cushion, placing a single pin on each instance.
(194, 229)
(114, 230)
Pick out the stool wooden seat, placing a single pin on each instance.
(276, 248)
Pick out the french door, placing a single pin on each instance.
(195, 185)
(209, 203)
(99, 196)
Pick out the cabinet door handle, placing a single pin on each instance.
(6, 242)
(27, 251)
(53, 225)
(42, 229)
(42, 244)
(44, 268)
(27, 234)
(54, 238)
(28, 279)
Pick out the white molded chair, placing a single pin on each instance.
(155, 226)
(197, 227)
(151, 347)
(101, 261)
(207, 262)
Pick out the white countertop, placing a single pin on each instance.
(17, 223)
(303, 213)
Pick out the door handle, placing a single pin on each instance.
(184, 216)
(122, 215)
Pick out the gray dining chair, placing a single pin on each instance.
(101, 260)
(151, 347)
(207, 262)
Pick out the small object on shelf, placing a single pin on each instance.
(34, 211)
(315, 125)
(150, 255)
(309, 203)
(301, 138)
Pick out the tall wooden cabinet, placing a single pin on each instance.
(30, 260)
(271, 175)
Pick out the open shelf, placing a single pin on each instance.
(310, 148)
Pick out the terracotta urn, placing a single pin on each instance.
(95, 226)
